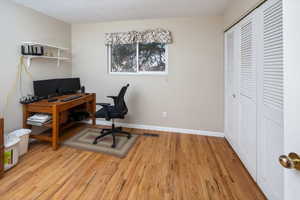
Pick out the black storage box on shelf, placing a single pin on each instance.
(79, 116)
(32, 50)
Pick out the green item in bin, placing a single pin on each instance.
(8, 157)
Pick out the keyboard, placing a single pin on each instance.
(70, 98)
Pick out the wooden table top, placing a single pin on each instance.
(45, 103)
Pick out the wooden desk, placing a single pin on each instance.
(1, 147)
(60, 112)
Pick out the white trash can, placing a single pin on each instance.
(11, 151)
(23, 135)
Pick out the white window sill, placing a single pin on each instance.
(139, 73)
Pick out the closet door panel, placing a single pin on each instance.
(270, 174)
(247, 143)
(247, 131)
(231, 88)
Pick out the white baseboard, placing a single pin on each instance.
(162, 128)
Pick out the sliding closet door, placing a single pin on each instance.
(231, 87)
(247, 132)
(270, 146)
(240, 86)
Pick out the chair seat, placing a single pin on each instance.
(110, 111)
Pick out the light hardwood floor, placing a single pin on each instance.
(172, 166)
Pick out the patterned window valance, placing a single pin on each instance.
(147, 36)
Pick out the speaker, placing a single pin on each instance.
(82, 89)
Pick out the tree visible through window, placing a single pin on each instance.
(138, 58)
(123, 58)
(152, 57)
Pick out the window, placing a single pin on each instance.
(150, 58)
(123, 58)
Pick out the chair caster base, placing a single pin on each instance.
(112, 131)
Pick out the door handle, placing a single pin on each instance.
(292, 161)
(233, 95)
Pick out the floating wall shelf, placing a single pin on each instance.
(59, 51)
(45, 45)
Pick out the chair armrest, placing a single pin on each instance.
(114, 98)
(103, 104)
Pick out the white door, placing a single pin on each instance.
(247, 76)
(231, 87)
(270, 100)
(266, 45)
(291, 13)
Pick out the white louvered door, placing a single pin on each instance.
(259, 140)
(270, 98)
(247, 132)
(231, 87)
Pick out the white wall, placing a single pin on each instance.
(21, 24)
(191, 94)
(237, 8)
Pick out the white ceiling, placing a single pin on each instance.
(82, 11)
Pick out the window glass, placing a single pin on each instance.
(123, 58)
(152, 57)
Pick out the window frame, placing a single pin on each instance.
(108, 51)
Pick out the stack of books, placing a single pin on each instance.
(39, 119)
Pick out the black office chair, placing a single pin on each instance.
(111, 112)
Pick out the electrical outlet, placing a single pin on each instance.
(164, 114)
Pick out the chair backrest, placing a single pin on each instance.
(120, 104)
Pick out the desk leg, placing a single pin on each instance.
(26, 115)
(94, 110)
(55, 128)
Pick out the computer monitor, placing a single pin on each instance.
(56, 87)
(69, 85)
